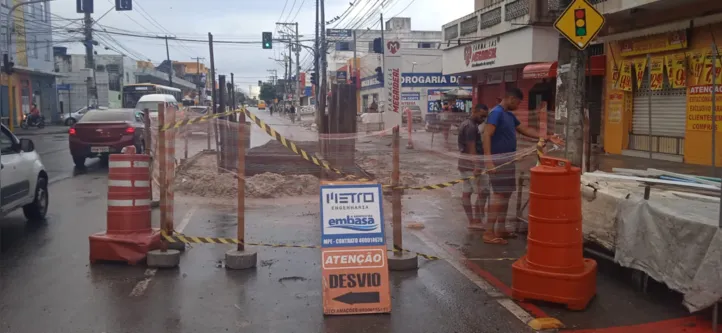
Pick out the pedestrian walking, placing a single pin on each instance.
(470, 163)
(499, 141)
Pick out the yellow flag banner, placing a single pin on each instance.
(707, 73)
(676, 70)
(615, 76)
(639, 66)
(696, 64)
(625, 76)
(656, 73)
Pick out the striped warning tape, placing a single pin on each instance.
(180, 238)
(185, 122)
(290, 145)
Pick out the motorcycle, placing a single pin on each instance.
(38, 122)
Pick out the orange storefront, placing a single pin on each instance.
(670, 71)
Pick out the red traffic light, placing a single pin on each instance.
(579, 13)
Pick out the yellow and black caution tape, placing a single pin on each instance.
(290, 145)
(189, 121)
(180, 238)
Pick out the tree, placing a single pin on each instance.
(268, 93)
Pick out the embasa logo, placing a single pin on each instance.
(467, 55)
(350, 198)
(393, 47)
(356, 223)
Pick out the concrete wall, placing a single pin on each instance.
(38, 35)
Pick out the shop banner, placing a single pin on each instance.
(670, 41)
(392, 83)
(615, 76)
(616, 107)
(656, 72)
(696, 64)
(707, 74)
(676, 70)
(699, 108)
(625, 76)
(639, 66)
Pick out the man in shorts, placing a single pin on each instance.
(499, 139)
(470, 154)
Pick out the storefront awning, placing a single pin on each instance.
(595, 67)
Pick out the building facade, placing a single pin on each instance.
(422, 80)
(503, 44)
(663, 61)
(33, 79)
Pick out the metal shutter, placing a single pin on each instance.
(669, 109)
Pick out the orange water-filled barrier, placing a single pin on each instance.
(554, 269)
(128, 236)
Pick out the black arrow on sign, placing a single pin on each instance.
(358, 298)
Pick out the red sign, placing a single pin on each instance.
(356, 280)
(395, 89)
(302, 79)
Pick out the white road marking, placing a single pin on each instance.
(142, 285)
(455, 261)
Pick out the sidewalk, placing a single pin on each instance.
(47, 130)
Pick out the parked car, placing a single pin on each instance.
(101, 133)
(24, 179)
(151, 102)
(71, 118)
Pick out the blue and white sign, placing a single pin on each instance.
(63, 86)
(341, 76)
(351, 215)
(410, 96)
(417, 80)
(307, 91)
(339, 32)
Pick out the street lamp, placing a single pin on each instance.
(6, 23)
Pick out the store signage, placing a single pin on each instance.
(341, 76)
(699, 108)
(670, 41)
(615, 107)
(338, 33)
(676, 70)
(63, 87)
(481, 54)
(353, 251)
(307, 91)
(392, 83)
(416, 80)
(410, 96)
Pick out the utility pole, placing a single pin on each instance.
(571, 97)
(383, 84)
(324, 63)
(298, 71)
(198, 79)
(89, 60)
(233, 93)
(315, 67)
(213, 74)
(170, 63)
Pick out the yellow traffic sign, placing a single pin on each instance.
(580, 23)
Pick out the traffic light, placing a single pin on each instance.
(267, 40)
(379, 74)
(7, 64)
(378, 45)
(314, 79)
(580, 22)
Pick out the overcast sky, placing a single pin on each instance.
(237, 20)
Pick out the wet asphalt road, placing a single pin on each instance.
(47, 284)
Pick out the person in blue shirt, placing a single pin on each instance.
(499, 140)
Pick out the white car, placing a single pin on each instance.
(69, 119)
(23, 179)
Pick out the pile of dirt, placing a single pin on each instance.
(202, 179)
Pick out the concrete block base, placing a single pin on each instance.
(241, 259)
(403, 262)
(180, 246)
(167, 259)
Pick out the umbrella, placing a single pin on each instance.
(458, 92)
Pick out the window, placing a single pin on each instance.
(7, 142)
(33, 50)
(344, 46)
(47, 50)
(108, 115)
(43, 11)
(371, 46)
(426, 45)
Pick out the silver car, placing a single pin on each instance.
(69, 119)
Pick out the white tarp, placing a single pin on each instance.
(671, 237)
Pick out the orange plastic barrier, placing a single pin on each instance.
(129, 235)
(554, 268)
